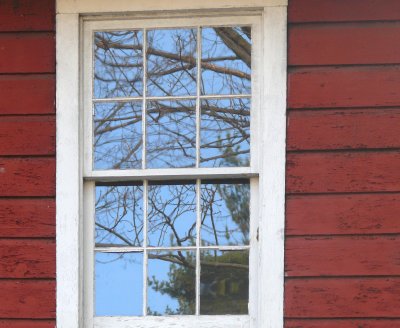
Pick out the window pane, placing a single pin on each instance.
(172, 215)
(225, 132)
(171, 134)
(224, 282)
(171, 283)
(118, 64)
(119, 216)
(226, 60)
(119, 284)
(118, 135)
(171, 64)
(225, 214)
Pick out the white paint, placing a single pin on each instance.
(123, 6)
(266, 289)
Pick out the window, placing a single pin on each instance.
(163, 212)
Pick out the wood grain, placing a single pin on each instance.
(343, 323)
(27, 15)
(27, 259)
(342, 256)
(342, 214)
(27, 53)
(27, 177)
(29, 136)
(343, 10)
(343, 172)
(362, 86)
(343, 129)
(343, 298)
(27, 299)
(27, 94)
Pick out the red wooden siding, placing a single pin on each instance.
(342, 260)
(27, 164)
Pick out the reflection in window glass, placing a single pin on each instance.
(225, 214)
(119, 284)
(224, 282)
(172, 215)
(119, 216)
(117, 135)
(225, 132)
(171, 64)
(118, 64)
(171, 283)
(171, 134)
(226, 60)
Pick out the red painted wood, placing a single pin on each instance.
(27, 323)
(344, 44)
(342, 256)
(27, 218)
(343, 129)
(344, 87)
(29, 94)
(343, 172)
(27, 15)
(342, 298)
(27, 299)
(342, 214)
(31, 136)
(27, 259)
(27, 53)
(27, 176)
(342, 323)
(343, 10)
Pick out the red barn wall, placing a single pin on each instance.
(27, 164)
(342, 260)
(342, 249)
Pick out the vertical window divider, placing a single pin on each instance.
(145, 255)
(198, 103)
(198, 241)
(144, 109)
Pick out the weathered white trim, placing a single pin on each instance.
(68, 181)
(122, 6)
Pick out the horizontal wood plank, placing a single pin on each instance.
(27, 15)
(27, 53)
(342, 214)
(343, 129)
(27, 259)
(27, 299)
(342, 256)
(342, 298)
(343, 172)
(27, 218)
(31, 136)
(343, 10)
(342, 323)
(344, 44)
(29, 94)
(27, 177)
(344, 87)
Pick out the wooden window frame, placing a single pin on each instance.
(71, 172)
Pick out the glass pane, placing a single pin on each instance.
(224, 282)
(226, 60)
(171, 134)
(171, 283)
(119, 216)
(119, 284)
(171, 62)
(118, 64)
(172, 215)
(225, 132)
(225, 214)
(117, 135)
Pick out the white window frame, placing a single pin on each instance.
(71, 303)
